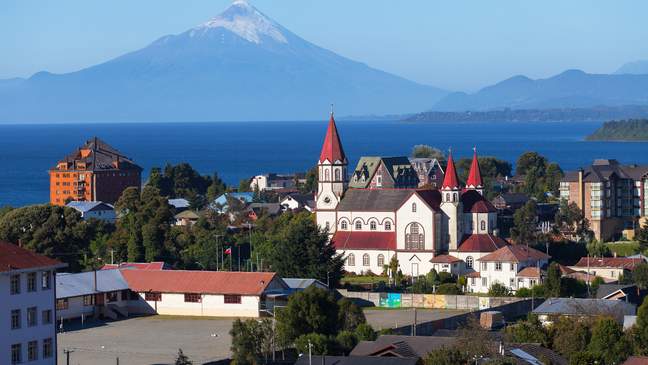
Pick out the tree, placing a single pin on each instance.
(251, 339)
(311, 181)
(529, 160)
(364, 332)
(491, 168)
(553, 281)
(182, 359)
(346, 341)
(642, 235)
(640, 275)
(350, 316)
(571, 222)
(446, 356)
(608, 342)
(244, 185)
(316, 343)
(598, 249)
(525, 219)
(527, 331)
(641, 328)
(498, 290)
(570, 336)
(425, 151)
(313, 310)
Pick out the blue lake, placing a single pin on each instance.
(240, 150)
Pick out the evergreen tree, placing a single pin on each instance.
(608, 342)
(525, 229)
(641, 328)
(570, 336)
(553, 282)
(640, 275)
(310, 311)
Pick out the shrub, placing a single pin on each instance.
(449, 289)
(365, 332)
(320, 344)
(499, 290)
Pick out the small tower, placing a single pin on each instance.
(332, 177)
(451, 204)
(474, 181)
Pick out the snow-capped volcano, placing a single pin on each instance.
(246, 21)
(240, 65)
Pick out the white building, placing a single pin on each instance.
(27, 309)
(272, 181)
(94, 209)
(298, 201)
(370, 226)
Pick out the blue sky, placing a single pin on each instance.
(458, 44)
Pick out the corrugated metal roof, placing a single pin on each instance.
(85, 206)
(295, 283)
(179, 203)
(74, 285)
(580, 306)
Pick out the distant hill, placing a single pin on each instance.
(621, 130)
(240, 65)
(570, 89)
(634, 68)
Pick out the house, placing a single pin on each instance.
(94, 172)
(156, 265)
(398, 346)
(354, 360)
(298, 201)
(91, 294)
(274, 181)
(27, 308)
(186, 218)
(257, 210)
(97, 210)
(510, 202)
(628, 293)
(384, 173)
(534, 354)
(179, 204)
(429, 172)
(371, 224)
(606, 267)
(613, 197)
(636, 360)
(220, 204)
(553, 308)
(201, 293)
(295, 284)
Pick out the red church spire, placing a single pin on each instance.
(332, 148)
(450, 180)
(474, 177)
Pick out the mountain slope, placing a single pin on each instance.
(634, 68)
(570, 89)
(240, 65)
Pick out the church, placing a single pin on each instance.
(447, 229)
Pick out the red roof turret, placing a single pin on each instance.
(474, 177)
(332, 148)
(450, 180)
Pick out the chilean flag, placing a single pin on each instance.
(228, 251)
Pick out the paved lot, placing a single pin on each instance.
(390, 318)
(147, 340)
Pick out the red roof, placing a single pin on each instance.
(332, 147)
(347, 240)
(474, 202)
(530, 272)
(137, 266)
(431, 197)
(481, 243)
(444, 259)
(450, 180)
(13, 257)
(618, 262)
(198, 282)
(474, 176)
(636, 360)
(515, 253)
(474, 274)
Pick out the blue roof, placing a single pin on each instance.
(85, 206)
(246, 197)
(179, 203)
(74, 285)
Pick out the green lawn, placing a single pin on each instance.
(364, 279)
(624, 248)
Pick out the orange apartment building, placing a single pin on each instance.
(94, 172)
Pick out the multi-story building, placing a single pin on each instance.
(27, 308)
(429, 171)
(613, 197)
(94, 172)
(274, 181)
(384, 173)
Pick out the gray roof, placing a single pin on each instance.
(606, 289)
(74, 285)
(387, 200)
(601, 170)
(355, 360)
(269, 208)
(179, 203)
(406, 346)
(102, 157)
(586, 307)
(302, 283)
(84, 206)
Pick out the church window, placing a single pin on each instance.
(413, 207)
(344, 225)
(388, 226)
(469, 262)
(337, 175)
(327, 227)
(414, 237)
(381, 260)
(454, 197)
(326, 175)
(372, 225)
(483, 225)
(447, 196)
(358, 225)
(365, 259)
(351, 260)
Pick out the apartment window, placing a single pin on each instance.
(469, 262)
(351, 260)
(32, 316)
(498, 266)
(532, 282)
(484, 266)
(153, 297)
(512, 282)
(62, 304)
(15, 284)
(111, 297)
(232, 299)
(365, 260)
(16, 353)
(485, 282)
(344, 225)
(387, 226)
(31, 282)
(381, 260)
(472, 281)
(372, 225)
(32, 350)
(15, 319)
(512, 266)
(88, 300)
(47, 348)
(358, 225)
(46, 278)
(192, 298)
(47, 316)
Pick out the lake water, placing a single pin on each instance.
(239, 150)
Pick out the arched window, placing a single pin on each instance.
(358, 225)
(372, 225)
(448, 197)
(351, 260)
(388, 226)
(454, 197)
(326, 175)
(469, 262)
(344, 225)
(483, 225)
(381, 260)
(413, 207)
(337, 175)
(328, 227)
(414, 237)
(365, 259)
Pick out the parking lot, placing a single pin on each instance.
(391, 318)
(146, 341)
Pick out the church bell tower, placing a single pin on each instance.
(332, 178)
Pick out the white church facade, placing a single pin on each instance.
(447, 229)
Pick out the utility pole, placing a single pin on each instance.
(112, 256)
(67, 355)
(414, 326)
(310, 353)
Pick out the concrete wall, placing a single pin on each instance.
(210, 306)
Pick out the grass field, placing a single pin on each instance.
(624, 248)
(364, 279)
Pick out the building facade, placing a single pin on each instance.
(613, 197)
(96, 210)
(94, 172)
(27, 308)
(429, 171)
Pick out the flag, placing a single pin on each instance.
(228, 251)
